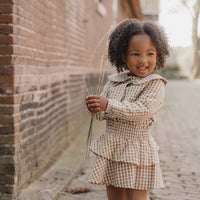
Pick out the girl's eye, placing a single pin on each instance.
(135, 54)
(150, 54)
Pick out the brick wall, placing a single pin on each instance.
(7, 99)
(45, 46)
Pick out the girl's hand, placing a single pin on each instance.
(96, 103)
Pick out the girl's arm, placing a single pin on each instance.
(147, 103)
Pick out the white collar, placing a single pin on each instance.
(126, 77)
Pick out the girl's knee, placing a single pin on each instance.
(132, 194)
(115, 193)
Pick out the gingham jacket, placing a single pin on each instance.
(133, 103)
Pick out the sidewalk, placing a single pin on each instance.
(177, 132)
(72, 164)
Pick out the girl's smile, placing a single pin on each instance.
(141, 55)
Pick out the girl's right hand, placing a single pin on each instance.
(96, 103)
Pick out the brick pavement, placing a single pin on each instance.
(178, 135)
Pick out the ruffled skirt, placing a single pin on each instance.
(127, 162)
(126, 175)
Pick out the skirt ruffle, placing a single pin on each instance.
(139, 150)
(126, 175)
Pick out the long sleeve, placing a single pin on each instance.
(148, 103)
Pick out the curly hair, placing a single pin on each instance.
(119, 38)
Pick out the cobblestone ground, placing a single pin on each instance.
(178, 135)
(177, 132)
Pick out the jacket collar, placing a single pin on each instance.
(126, 77)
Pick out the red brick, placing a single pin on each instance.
(6, 1)
(6, 119)
(7, 100)
(7, 80)
(4, 39)
(6, 50)
(6, 19)
(6, 130)
(5, 8)
(7, 139)
(4, 110)
(6, 60)
(6, 70)
(7, 89)
(6, 29)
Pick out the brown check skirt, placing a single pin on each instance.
(126, 175)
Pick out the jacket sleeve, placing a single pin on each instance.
(148, 103)
(102, 115)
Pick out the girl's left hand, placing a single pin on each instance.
(96, 103)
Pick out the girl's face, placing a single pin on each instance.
(141, 55)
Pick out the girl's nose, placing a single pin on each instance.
(142, 61)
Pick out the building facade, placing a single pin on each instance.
(150, 9)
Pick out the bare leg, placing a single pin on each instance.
(132, 194)
(115, 193)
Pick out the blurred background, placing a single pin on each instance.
(180, 18)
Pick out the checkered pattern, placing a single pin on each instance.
(126, 175)
(140, 150)
(127, 153)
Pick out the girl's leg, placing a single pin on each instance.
(132, 194)
(115, 193)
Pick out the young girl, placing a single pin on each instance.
(127, 155)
